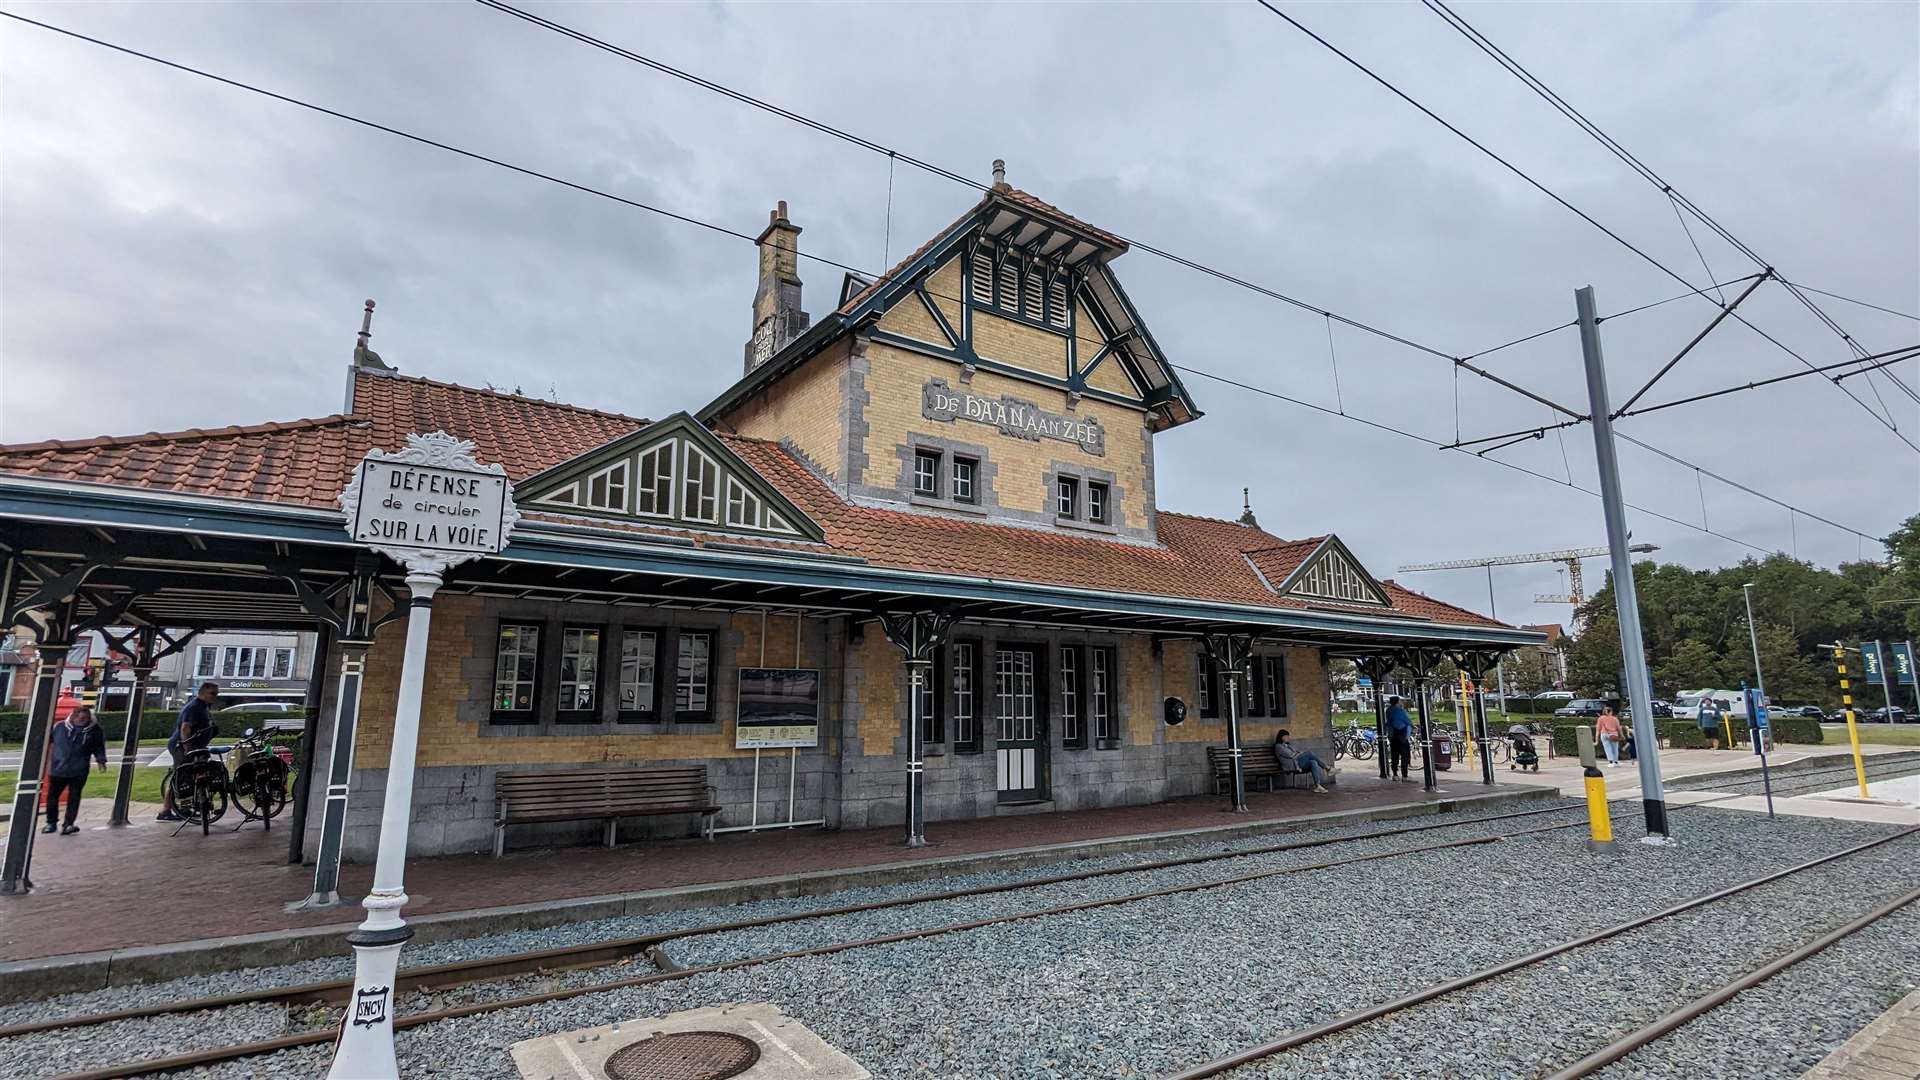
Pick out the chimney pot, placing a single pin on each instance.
(999, 173)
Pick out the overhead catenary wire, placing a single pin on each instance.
(750, 238)
(1862, 303)
(1885, 421)
(1674, 197)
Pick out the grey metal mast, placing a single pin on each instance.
(1626, 598)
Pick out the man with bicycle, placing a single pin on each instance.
(195, 732)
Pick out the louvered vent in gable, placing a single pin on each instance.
(675, 473)
(1333, 575)
(1036, 295)
(983, 275)
(1057, 300)
(1009, 283)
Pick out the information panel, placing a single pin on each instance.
(779, 707)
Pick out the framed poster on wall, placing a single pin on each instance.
(779, 707)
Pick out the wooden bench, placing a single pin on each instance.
(603, 794)
(1255, 761)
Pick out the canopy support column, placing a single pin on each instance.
(918, 635)
(1476, 663)
(1423, 661)
(309, 734)
(54, 637)
(143, 660)
(356, 637)
(1376, 668)
(1230, 653)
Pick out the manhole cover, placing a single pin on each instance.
(685, 1055)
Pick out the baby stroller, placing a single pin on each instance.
(1524, 755)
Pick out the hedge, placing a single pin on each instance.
(1533, 706)
(1686, 735)
(154, 724)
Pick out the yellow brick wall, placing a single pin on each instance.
(945, 288)
(445, 739)
(1306, 699)
(1139, 682)
(895, 381)
(1112, 378)
(882, 691)
(805, 407)
(910, 318)
(1023, 346)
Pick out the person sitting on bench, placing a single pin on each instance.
(1294, 759)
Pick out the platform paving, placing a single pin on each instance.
(1887, 1049)
(138, 903)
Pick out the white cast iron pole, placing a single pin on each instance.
(365, 1049)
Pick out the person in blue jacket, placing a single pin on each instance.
(72, 745)
(1399, 740)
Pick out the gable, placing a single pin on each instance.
(674, 473)
(1332, 575)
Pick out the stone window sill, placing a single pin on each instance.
(932, 503)
(1086, 526)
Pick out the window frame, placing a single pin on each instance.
(664, 452)
(1073, 701)
(650, 713)
(972, 480)
(748, 499)
(935, 461)
(1273, 670)
(1207, 676)
(208, 658)
(590, 715)
(1100, 508)
(1066, 489)
(933, 721)
(692, 502)
(278, 672)
(1103, 696)
(531, 714)
(691, 715)
(606, 477)
(970, 666)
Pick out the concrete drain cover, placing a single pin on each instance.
(685, 1055)
(747, 1040)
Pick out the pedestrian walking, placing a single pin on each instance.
(72, 745)
(1608, 728)
(1399, 740)
(1709, 721)
(195, 731)
(1297, 760)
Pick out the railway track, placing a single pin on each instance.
(442, 977)
(1621, 1047)
(336, 990)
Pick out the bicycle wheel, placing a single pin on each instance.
(1362, 749)
(260, 788)
(1500, 750)
(210, 796)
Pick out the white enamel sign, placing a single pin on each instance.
(430, 503)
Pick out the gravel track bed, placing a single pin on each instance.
(1541, 1018)
(1137, 990)
(1881, 766)
(53, 1052)
(104, 1044)
(1786, 1025)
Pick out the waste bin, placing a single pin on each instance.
(1442, 750)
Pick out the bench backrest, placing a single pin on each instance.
(587, 790)
(1253, 759)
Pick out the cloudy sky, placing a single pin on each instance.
(176, 253)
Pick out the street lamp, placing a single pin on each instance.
(1753, 635)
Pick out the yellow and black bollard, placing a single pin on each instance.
(1853, 729)
(1599, 822)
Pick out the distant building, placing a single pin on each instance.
(1552, 657)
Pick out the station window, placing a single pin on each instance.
(932, 730)
(656, 481)
(1073, 719)
(966, 696)
(700, 495)
(1096, 502)
(203, 663)
(639, 656)
(1066, 497)
(1208, 682)
(1100, 698)
(966, 473)
(579, 673)
(516, 672)
(282, 664)
(1273, 679)
(607, 489)
(926, 473)
(692, 685)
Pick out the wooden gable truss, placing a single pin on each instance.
(1332, 575)
(674, 473)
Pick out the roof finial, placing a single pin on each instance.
(999, 173)
(364, 357)
(1246, 510)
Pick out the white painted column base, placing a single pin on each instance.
(365, 1049)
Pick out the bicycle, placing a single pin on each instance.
(1355, 742)
(261, 780)
(203, 789)
(200, 787)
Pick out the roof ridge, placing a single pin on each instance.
(186, 435)
(490, 392)
(1284, 543)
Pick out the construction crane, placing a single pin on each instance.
(1576, 590)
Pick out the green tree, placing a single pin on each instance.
(1691, 666)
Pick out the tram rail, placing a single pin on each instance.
(1382, 1010)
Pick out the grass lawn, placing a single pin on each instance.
(111, 744)
(100, 785)
(1885, 734)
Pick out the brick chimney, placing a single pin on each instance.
(777, 318)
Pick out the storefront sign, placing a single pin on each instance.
(779, 707)
(1012, 416)
(430, 504)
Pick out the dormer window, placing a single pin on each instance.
(743, 506)
(656, 481)
(607, 489)
(700, 496)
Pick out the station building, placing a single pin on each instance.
(939, 499)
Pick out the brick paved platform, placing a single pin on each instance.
(118, 889)
(1887, 1049)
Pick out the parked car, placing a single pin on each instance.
(1686, 705)
(1811, 712)
(1554, 695)
(271, 715)
(1582, 707)
(1879, 716)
